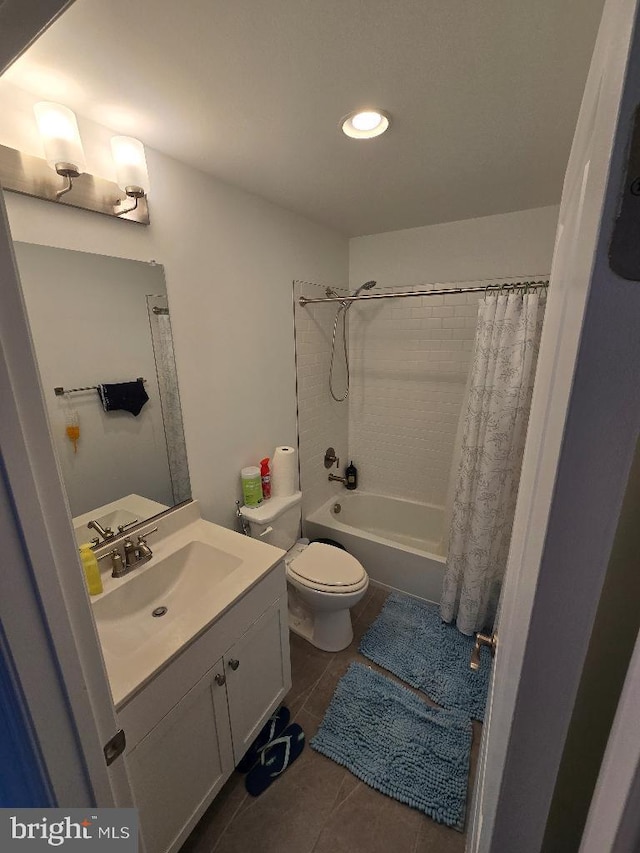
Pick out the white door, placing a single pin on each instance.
(584, 422)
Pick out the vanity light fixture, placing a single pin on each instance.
(365, 124)
(61, 139)
(131, 171)
(33, 176)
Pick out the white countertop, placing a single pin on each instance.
(135, 645)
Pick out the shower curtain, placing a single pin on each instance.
(495, 415)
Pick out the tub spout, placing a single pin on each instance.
(334, 479)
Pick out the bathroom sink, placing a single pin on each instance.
(172, 585)
(197, 572)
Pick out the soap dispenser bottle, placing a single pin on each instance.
(351, 474)
(91, 569)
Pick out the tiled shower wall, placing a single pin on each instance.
(410, 360)
(322, 423)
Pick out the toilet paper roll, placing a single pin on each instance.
(284, 472)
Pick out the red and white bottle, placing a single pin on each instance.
(266, 478)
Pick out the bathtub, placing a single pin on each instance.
(398, 542)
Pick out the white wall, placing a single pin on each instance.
(230, 259)
(510, 244)
(90, 325)
(410, 358)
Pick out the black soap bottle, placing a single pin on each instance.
(351, 474)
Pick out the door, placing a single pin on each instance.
(585, 418)
(258, 676)
(179, 767)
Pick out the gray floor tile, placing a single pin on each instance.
(435, 838)
(366, 820)
(288, 817)
(217, 818)
(317, 806)
(307, 666)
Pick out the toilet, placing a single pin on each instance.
(324, 582)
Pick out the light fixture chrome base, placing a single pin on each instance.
(132, 192)
(68, 171)
(32, 176)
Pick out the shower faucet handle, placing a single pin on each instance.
(330, 458)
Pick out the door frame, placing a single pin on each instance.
(46, 615)
(585, 419)
(58, 623)
(613, 823)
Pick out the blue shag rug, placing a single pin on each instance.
(396, 743)
(410, 639)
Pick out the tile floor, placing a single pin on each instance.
(318, 806)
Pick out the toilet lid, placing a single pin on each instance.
(327, 565)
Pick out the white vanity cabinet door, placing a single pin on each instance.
(182, 763)
(258, 672)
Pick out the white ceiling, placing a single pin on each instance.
(483, 95)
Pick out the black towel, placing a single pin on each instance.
(129, 396)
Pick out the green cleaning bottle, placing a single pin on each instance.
(91, 570)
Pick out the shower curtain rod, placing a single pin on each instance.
(445, 291)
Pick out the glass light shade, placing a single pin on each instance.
(365, 124)
(60, 135)
(366, 120)
(130, 163)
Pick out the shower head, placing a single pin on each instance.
(366, 286)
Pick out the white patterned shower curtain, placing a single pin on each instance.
(493, 435)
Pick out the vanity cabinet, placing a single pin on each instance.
(256, 678)
(193, 722)
(179, 767)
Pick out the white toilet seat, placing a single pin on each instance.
(327, 569)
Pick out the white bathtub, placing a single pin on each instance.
(398, 542)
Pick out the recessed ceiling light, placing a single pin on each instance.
(365, 124)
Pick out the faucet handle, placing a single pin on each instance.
(123, 527)
(144, 552)
(330, 457)
(117, 564)
(108, 554)
(142, 538)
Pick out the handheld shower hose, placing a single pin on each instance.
(342, 309)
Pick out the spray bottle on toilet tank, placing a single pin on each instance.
(266, 478)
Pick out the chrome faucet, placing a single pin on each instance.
(106, 532)
(134, 555)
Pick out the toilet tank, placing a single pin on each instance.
(276, 521)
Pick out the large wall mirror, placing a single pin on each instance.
(95, 321)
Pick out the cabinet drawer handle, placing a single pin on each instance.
(234, 664)
(220, 679)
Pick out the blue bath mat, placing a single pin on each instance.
(396, 743)
(410, 640)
